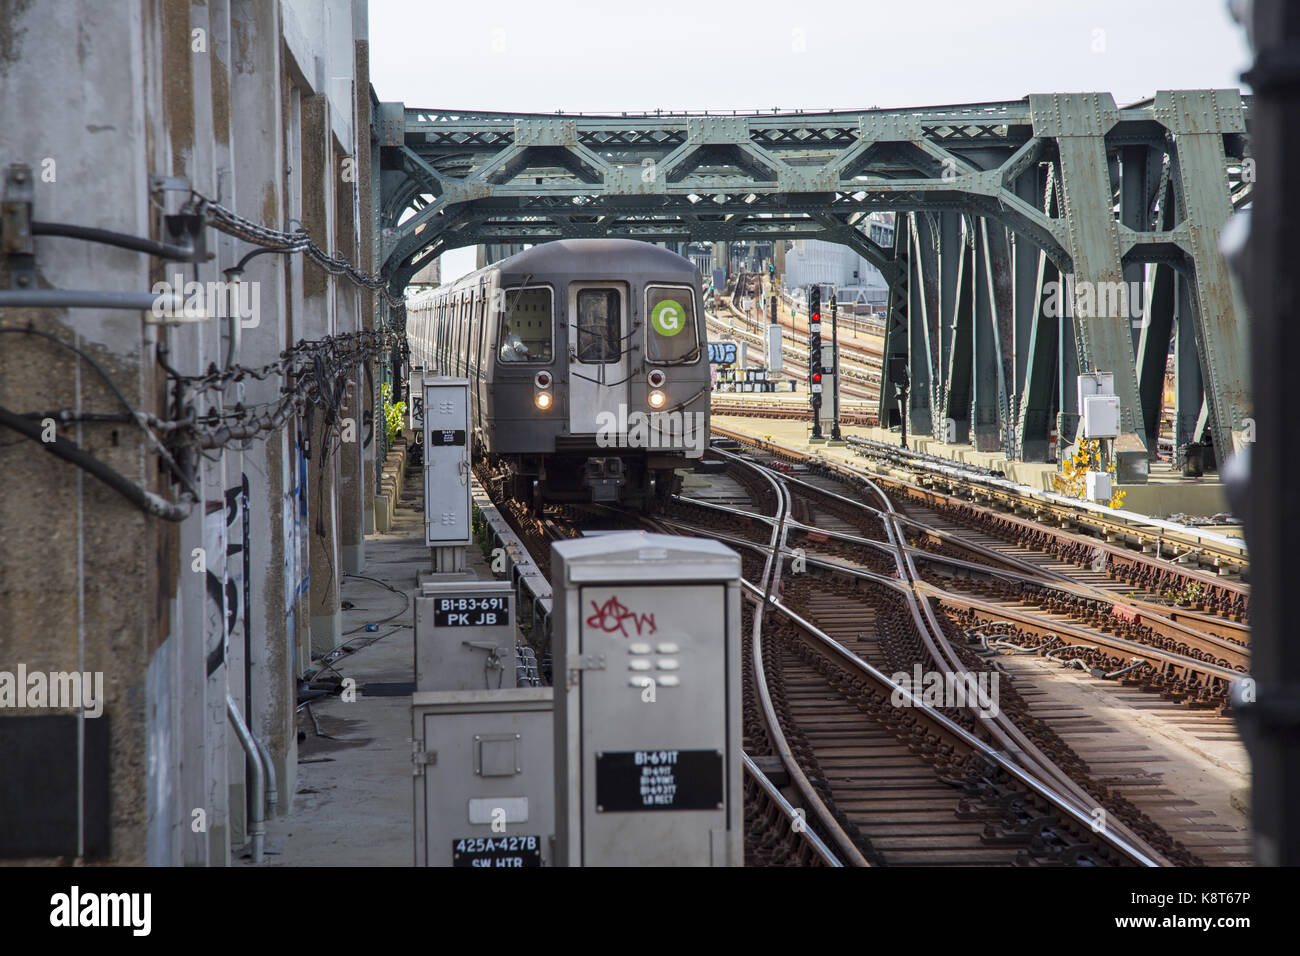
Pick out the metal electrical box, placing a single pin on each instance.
(775, 357)
(484, 778)
(465, 635)
(446, 462)
(1097, 486)
(1093, 383)
(1100, 416)
(647, 702)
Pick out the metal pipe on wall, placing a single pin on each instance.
(257, 808)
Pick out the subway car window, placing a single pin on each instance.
(526, 326)
(598, 326)
(671, 333)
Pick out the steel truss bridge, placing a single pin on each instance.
(995, 202)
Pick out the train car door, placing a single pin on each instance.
(598, 361)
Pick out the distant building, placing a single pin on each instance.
(703, 260)
(839, 267)
(880, 229)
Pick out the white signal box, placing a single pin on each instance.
(647, 702)
(1097, 486)
(1093, 383)
(774, 355)
(446, 462)
(484, 778)
(1100, 416)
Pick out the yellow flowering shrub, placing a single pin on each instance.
(1072, 480)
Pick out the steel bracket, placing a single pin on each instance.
(188, 229)
(169, 184)
(421, 758)
(16, 239)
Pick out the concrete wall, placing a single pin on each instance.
(256, 105)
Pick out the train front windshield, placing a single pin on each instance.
(526, 326)
(599, 327)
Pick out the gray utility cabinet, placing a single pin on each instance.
(447, 514)
(484, 778)
(647, 702)
(464, 634)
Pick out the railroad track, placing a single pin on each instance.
(731, 403)
(1006, 806)
(859, 371)
(839, 773)
(1055, 737)
(863, 354)
(1073, 532)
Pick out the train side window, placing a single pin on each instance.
(482, 326)
(457, 313)
(672, 336)
(441, 325)
(526, 326)
(599, 326)
(461, 310)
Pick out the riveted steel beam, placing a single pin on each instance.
(1198, 121)
(922, 313)
(1039, 177)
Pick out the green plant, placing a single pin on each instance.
(1188, 595)
(394, 414)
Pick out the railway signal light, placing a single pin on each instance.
(815, 356)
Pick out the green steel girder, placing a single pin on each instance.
(1033, 187)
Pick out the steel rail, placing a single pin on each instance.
(1129, 846)
(1001, 727)
(771, 571)
(792, 816)
(1031, 764)
(1069, 511)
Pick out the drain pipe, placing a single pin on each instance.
(272, 793)
(256, 823)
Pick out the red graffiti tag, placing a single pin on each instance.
(613, 616)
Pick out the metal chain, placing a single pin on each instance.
(230, 222)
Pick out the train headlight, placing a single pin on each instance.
(656, 378)
(542, 400)
(543, 379)
(657, 399)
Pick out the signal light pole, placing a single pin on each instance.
(835, 371)
(815, 358)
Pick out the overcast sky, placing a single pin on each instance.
(607, 55)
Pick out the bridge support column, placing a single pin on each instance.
(958, 250)
(1153, 348)
(1199, 120)
(1034, 340)
(1103, 342)
(986, 347)
(1189, 387)
(922, 304)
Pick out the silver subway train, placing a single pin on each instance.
(589, 368)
